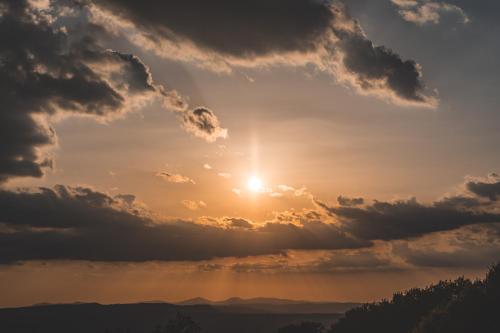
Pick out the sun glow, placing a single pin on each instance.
(254, 184)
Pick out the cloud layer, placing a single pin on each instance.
(49, 70)
(406, 219)
(223, 34)
(83, 224)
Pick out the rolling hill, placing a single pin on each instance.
(144, 317)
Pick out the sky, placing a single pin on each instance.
(299, 149)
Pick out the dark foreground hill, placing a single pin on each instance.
(144, 317)
(460, 306)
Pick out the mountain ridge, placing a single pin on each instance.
(145, 317)
(254, 300)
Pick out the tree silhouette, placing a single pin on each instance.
(459, 306)
(476, 309)
(180, 324)
(304, 327)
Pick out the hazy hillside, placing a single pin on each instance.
(460, 306)
(143, 318)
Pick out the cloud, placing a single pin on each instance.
(77, 223)
(292, 32)
(193, 205)
(175, 178)
(207, 166)
(54, 65)
(472, 246)
(486, 189)
(282, 189)
(405, 219)
(423, 12)
(377, 70)
(210, 267)
(345, 201)
(259, 267)
(299, 218)
(352, 260)
(322, 262)
(224, 175)
(203, 123)
(278, 19)
(227, 222)
(237, 222)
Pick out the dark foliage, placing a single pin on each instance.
(476, 309)
(447, 307)
(304, 327)
(180, 324)
(144, 317)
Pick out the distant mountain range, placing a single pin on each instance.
(272, 305)
(252, 305)
(240, 301)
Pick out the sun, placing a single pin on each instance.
(254, 184)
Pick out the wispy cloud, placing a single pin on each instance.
(428, 12)
(193, 205)
(175, 177)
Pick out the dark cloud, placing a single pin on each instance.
(459, 201)
(474, 246)
(203, 123)
(49, 70)
(139, 77)
(259, 267)
(478, 256)
(243, 29)
(79, 223)
(41, 72)
(345, 201)
(328, 262)
(211, 267)
(406, 219)
(490, 190)
(355, 260)
(223, 34)
(377, 68)
(83, 224)
(311, 236)
(303, 217)
(237, 222)
(127, 199)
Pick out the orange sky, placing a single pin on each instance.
(299, 161)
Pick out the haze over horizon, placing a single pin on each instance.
(326, 151)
